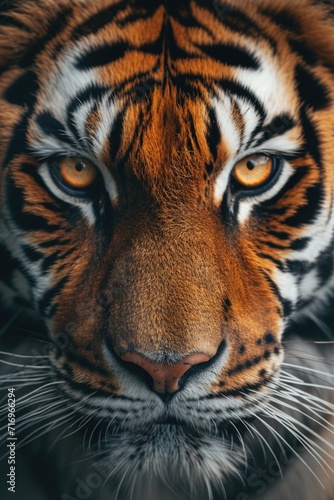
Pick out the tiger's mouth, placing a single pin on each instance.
(173, 448)
(168, 421)
(160, 432)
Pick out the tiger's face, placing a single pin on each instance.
(166, 194)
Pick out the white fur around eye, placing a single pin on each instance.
(85, 205)
(246, 205)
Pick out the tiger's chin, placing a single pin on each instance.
(150, 457)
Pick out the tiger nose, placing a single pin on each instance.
(166, 377)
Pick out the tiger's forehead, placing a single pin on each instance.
(164, 89)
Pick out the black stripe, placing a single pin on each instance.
(284, 19)
(17, 207)
(226, 305)
(99, 20)
(115, 136)
(5, 67)
(32, 254)
(300, 243)
(299, 267)
(107, 54)
(272, 210)
(24, 90)
(311, 137)
(56, 256)
(304, 51)
(148, 82)
(172, 49)
(325, 264)
(54, 242)
(68, 252)
(52, 310)
(74, 217)
(193, 131)
(188, 83)
(234, 88)
(7, 265)
(154, 48)
(121, 164)
(280, 235)
(75, 357)
(271, 258)
(104, 218)
(231, 55)
(242, 391)
(9, 7)
(257, 130)
(227, 215)
(251, 362)
(287, 305)
(213, 134)
(101, 56)
(239, 22)
(53, 127)
(49, 296)
(147, 10)
(87, 390)
(18, 142)
(278, 126)
(63, 266)
(56, 26)
(270, 205)
(50, 260)
(140, 91)
(181, 12)
(93, 93)
(271, 244)
(306, 214)
(311, 91)
(58, 205)
(52, 207)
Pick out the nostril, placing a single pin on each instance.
(166, 377)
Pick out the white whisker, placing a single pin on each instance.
(306, 441)
(308, 369)
(291, 448)
(24, 366)
(54, 383)
(11, 354)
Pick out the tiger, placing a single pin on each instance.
(166, 242)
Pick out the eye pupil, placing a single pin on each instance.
(250, 165)
(79, 166)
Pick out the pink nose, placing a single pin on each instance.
(166, 378)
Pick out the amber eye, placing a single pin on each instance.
(77, 172)
(254, 170)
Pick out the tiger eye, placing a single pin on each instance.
(77, 172)
(254, 170)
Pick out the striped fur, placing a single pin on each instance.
(167, 254)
